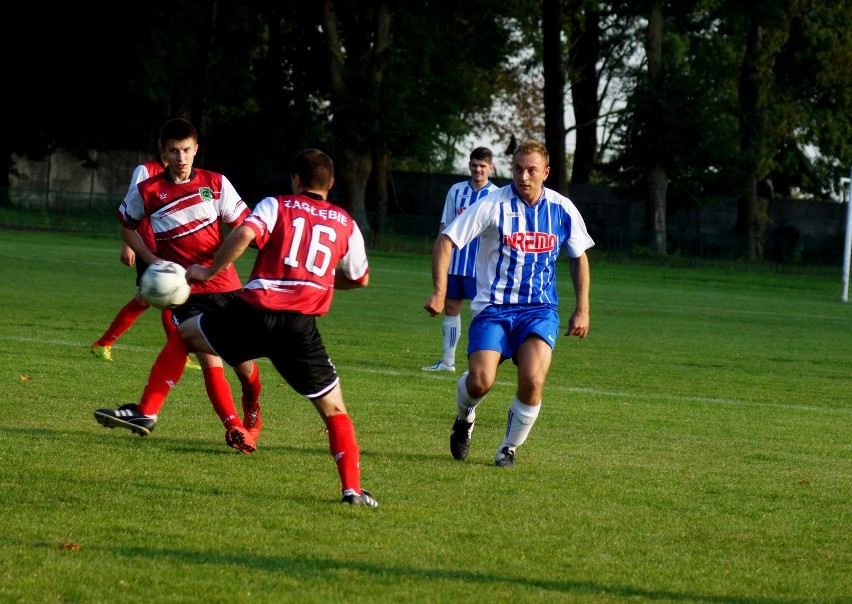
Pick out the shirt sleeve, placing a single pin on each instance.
(354, 264)
(473, 221)
(233, 209)
(449, 213)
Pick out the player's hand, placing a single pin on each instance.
(434, 305)
(128, 256)
(196, 272)
(578, 325)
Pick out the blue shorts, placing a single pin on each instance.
(461, 288)
(505, 327)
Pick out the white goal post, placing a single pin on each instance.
(847, 248)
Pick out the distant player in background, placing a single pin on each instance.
(461, 280)
(186, 207)
(307, 249)
(522, 228)
(102, 347)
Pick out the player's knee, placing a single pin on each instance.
(477, 387)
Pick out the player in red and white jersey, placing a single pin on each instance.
(102, 347)
(307, 248)
(286, 226)
(186, 216)
(186, 207)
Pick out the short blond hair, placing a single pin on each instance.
(532, 146)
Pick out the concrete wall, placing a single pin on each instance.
(105, 174)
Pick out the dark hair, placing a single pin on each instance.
(177, 129)
(532, 146)
(482, 154)
(315, 168)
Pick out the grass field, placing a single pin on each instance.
(696, 447)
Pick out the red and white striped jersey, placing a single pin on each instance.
(187, 218)
(302, 240)
(140, 173)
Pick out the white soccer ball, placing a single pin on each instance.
(163, 285)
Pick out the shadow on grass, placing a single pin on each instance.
(302, 567)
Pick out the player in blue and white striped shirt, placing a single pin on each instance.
(522, 228)
(461, 282)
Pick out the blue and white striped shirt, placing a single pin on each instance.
(459, 198)
(519, 245)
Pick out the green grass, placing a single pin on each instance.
(696, 447)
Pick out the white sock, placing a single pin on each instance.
(520, 422)
(465, 404)
(451, 329)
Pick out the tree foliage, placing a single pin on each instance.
(753, 96)
(745, 93)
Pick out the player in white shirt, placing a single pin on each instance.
(461, 280)
(522, 228)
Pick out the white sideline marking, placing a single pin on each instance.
(611, 394)
(637, 396)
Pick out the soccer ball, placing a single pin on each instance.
(163, 285)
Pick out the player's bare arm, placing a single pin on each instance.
(135, 243)
(578, 324)
(232, 248)
(341, 281)
(440, 264)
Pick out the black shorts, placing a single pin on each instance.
(197, 304)
(140, 269)
(239, 332)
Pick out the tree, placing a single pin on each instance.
(358, 35)
(656, 175)
(405, 76)
(795, 94)
(813, 78)
(584, 54)
(767, 30)
(663, 106)
(554, 93)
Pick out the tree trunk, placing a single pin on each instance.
(584, 54)
(656, 176)
(380, 179)
(201, 79)
(749, 221)
(657, 187)
(554, 94)
(356, 172)
(750, 100)
(355, 75)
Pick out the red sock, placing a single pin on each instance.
(344, 449)
(122, 322)
(165, 374)
(251, 386)
(166, 318)
(219, 391)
